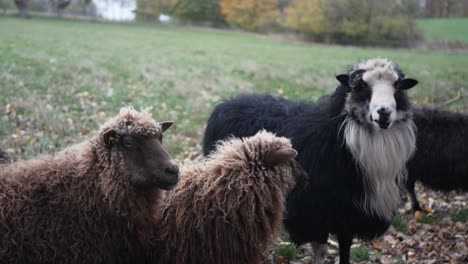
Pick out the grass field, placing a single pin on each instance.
(60, 79)
(452, 29)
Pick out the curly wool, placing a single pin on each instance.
(227, 208)
(77, 206)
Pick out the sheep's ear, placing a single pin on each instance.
(279, 155)
(406, 83)
(343, 79)
(109, 137)
(355, 77)
(165, 125)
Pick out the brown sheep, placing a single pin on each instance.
(95, 202)
(228, 208)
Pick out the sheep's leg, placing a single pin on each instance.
(320, 252)
(345, 240)
(412, 192)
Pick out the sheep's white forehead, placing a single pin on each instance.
(378, 70)
(373, 64)
(380, 75)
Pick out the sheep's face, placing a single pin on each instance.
(148, 164)
(299, 174)
(286, 157)
(377, 94)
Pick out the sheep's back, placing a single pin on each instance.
(245, 115)
(441, 159)
(50, 213)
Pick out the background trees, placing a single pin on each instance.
(249, 14)
(356, 22)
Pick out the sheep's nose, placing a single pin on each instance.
(172, 170)
(384, 112)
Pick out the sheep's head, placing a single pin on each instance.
(263, 155)
(286, 157)
(136, 139)
(377, 93)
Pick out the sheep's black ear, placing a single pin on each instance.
(343, 79)
(279, 155)
(109, 137)
(406, 83)
(355, 77)
(165, 125)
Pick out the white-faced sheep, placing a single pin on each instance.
(353, 144)
(95, 202)
(228, 208)
(441, 158)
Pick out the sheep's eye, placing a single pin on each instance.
(360, 85)
(128, 143)
(160, 137)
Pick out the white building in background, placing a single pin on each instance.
(117, 10)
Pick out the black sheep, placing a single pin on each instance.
(441, 159)
(353, 144)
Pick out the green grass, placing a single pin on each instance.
(446, 29)
(359, 254)
(286, 250)
(400, 224)
(460, 216)
(62, 78)
(428, 220)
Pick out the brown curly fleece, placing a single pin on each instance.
(77, 206)
(228, 208)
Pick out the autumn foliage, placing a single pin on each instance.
(385, 22)
(306, 16)
(249, 14)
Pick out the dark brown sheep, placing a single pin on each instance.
(228, 208)
(95, 202)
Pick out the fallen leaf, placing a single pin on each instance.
(428, 210)
(418, 216)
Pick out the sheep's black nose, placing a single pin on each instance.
(384, 111)
(172, 170)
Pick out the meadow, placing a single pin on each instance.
(453, 29)
(60, 79)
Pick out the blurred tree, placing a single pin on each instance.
(411, 8)
(361, 22)
(283, 4)
(60, 5)
(4, 5)
(198, 11)
(249, 14)
(151, 9)
(306, 16)
(22, 6)
(446, 8)
(163, 6)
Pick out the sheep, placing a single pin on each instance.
(94, 202)
(441, 159)
(353, 144)
(228, 208)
